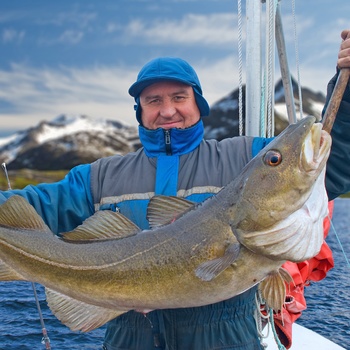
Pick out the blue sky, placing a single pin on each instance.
(80, 57)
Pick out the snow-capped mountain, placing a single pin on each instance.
(223, 120)
(65, 142)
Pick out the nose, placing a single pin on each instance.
(167, 109)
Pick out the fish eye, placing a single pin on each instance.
(273, 158)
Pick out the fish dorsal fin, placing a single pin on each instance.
(8, 274)
(104, 224)
(163, 210)
(211, 269)
(18, 213)
(76, 314)
(273, 288)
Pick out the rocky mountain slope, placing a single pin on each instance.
(65, 142)
(224, 115)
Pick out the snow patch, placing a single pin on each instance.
(63, 126)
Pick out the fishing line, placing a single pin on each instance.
(339, 242)
(3, 165)
(45, 340)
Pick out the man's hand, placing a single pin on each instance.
(344, 51)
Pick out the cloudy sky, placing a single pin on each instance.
(81, 56)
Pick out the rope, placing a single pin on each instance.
(262, 110)
(270, 65)
(260, 316)
(264, 312)
(278, 342)
(297, 59)
(240, 70)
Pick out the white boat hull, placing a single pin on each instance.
(304, 339)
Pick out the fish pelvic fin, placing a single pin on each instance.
(103, 225)
(8, 274)
(211, 269)
(273, 288)
(17, 212)
(163, 210)
(76, 314)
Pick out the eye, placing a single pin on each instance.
(154, 101)
(179, 98)
(273, 158)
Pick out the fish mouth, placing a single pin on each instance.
(316, 149)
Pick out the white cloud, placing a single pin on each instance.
(112, 27)
(37, 94)
(71, 37)
(213, 30)
(216, 29)
(76, 17)
(218, 78)
(11, 35)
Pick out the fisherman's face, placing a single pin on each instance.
(167, 105)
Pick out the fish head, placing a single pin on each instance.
(282, 186)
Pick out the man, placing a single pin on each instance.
(174, 160)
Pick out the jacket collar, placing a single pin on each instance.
(171, 142)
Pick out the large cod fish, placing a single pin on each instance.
(195, 254)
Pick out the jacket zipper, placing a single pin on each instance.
(167, 142)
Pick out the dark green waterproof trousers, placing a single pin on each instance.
(228, 324)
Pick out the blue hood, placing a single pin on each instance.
(163, 69)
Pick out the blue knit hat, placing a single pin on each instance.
(168, 68)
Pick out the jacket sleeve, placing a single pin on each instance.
(338, 165)
(63, 205)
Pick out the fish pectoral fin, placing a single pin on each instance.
(211, 269)
(103, 225)
(78, 315)
(18, 213)
(8, 274)
(163, 210)
(273, 288)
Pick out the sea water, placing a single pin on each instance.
(327, 313)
